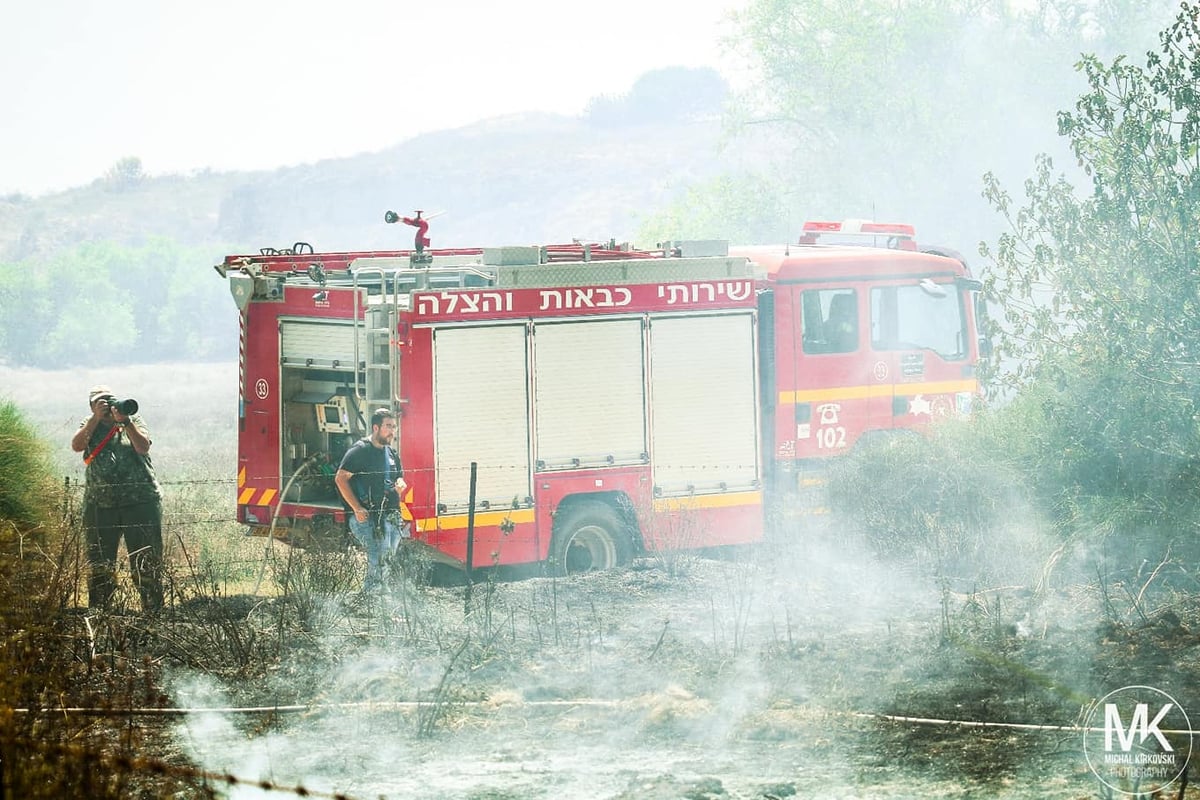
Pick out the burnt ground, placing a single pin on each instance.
(738, 675)
(765, 672)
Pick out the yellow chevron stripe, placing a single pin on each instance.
(877, 390)
(241, 477)
(406, 507)
(267, 496)
(245, 495)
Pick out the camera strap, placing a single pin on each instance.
(92, 455)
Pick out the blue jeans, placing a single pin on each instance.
(379, 543)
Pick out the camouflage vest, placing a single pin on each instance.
(118, 475)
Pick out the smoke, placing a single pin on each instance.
(744, 673)
(580, 684)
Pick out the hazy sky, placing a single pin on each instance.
(240, 84)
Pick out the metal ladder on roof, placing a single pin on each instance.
(375, 353)
(375, 327)
(381, 389)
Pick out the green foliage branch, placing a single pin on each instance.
(1100, 323)
(885, 109)
(740, 208)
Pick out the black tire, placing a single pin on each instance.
(589, 536)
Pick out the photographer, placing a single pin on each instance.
(121, 497)
(370, 480)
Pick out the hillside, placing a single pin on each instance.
(508, 180)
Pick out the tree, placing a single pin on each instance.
(1111, 277)
(745, 209)
(895, 108)
(124, 175)
(1100, 330)
(103, 303)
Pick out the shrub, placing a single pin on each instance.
(1112, 458)
(947, 500)
(27, 493)
(51, 656)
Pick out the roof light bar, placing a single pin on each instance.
(900, 235)
(861, 226)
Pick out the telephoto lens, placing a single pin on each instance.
(127, 407)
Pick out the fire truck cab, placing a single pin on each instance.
(577, 404)
(867, 339)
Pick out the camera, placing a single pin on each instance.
(127, 407)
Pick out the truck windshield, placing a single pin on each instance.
(925, 316)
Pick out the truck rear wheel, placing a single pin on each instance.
(589, 536)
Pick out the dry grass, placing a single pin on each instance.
(56, 653)
(748, 650)
(52, 655)
(191, 410)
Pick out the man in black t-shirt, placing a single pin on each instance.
(370, 480)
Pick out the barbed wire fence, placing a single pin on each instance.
(192, 505)
(149, 767)
(215, 780)
(73, 489)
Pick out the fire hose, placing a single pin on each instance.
(308, 463)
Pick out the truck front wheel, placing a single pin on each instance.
(589, 536)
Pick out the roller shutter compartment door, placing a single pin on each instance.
(481, 414)
(589, 393)
(327, 345)
(704, 409)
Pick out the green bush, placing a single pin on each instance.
(1112, 458)
(28, 492)
(951, 500)
(1099, 326)
(1093, 460)
(102, 302)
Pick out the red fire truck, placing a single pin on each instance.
(606, 400)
